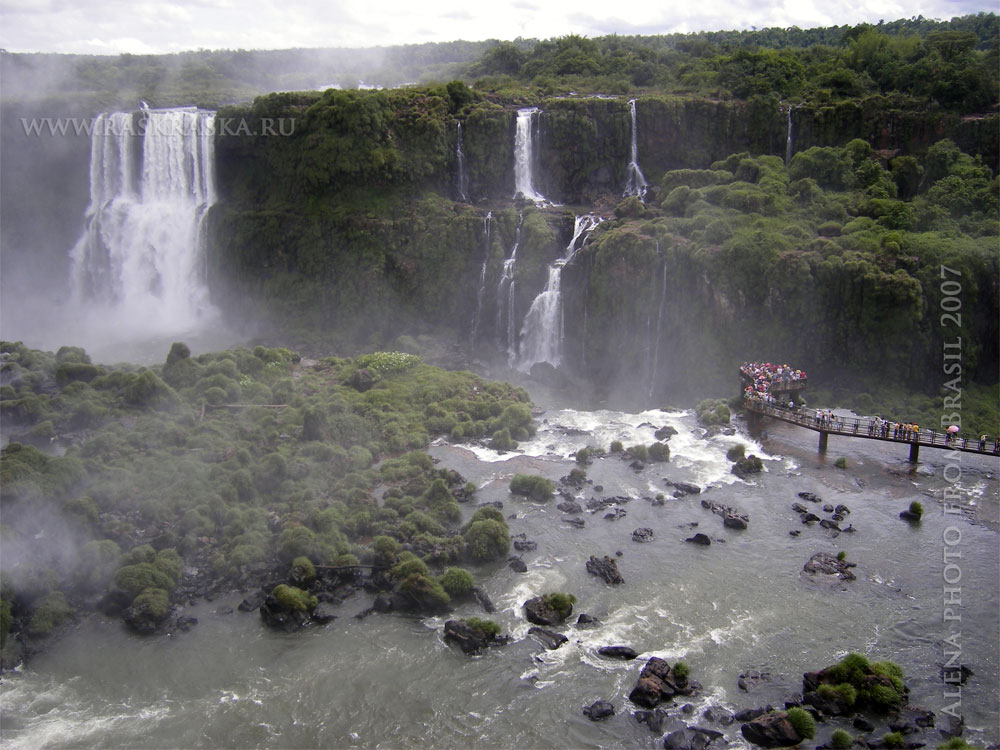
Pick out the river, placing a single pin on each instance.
(739, 606)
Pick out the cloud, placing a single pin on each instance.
(143, 25)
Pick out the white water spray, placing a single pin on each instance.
(462, 179)
(524, 155)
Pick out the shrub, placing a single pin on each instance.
(135, 578)
(640, 452)
(682, 671)
(294, 599)
(303, 571)
(487, 539)
(659, 452)
(457, 581)
(712, 411)
(842, 555)
(917, 508)
(53, 611)
(584, 456)
(616, 447)
(409, 564)
(892, 740)
(153, 602)
(386, 550)
(502, 441)
(426, 588)
(534, 487)
(561, 603)
(485, 628)
(802, 722)
(840, 463)
(736, 452)
(956, 743)
(841, 740)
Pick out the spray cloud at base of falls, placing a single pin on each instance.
(543, 332)
(139, 267)
(636, 183)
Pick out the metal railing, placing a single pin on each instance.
(868, 428)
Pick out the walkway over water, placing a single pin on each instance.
(867, 428)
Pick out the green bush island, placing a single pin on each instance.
(841, 740)
(803, 722)
(532, 486)
(561, 603)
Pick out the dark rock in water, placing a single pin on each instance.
(829, 525)
(665, 433)
(615, 514)
(908, 515)
(323, 614)
(484, 599)
(828, 508)
(810, 518)
(599, 710)
(363, 379)
(655, 719)
(690, 738)
(837, 517)
(721, 715)
(584, 620)
(517, 565)
(771, 730)
(523, 545)
(637, 465)
(277, 616)
(252, 602)
(834, 705)
(752, 679)
(382, 604)
(618, 652)
(226, 610)
(699, 538)
(747, 466)
(850, 529)
(643, 535)
(657, 684)
(569, 506)
(143, 619)
(799, 508)
(749, 714)
(605, 568)
(549, 638)
(185, 622)
(470, 640)
(540, 613)
(686, 487)
(578, 522)
(825, 564)
(598, 488)
(952, 674)
(810, 497)
(548, 375)
(862, 724)
(734, 522)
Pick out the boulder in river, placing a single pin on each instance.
(643, 535)
(618, 652)
(473, 636)
(699, 538)
(605, 568)
(827, 565)
(599, 710)
(771, 730)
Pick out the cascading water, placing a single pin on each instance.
(481, 293)
(543, 332)
(524, 155)
(788, 138)
(461, 179)
(636, 183)
(138, 269)
(507, 300)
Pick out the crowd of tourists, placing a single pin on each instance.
(772, 386)
(767, 379)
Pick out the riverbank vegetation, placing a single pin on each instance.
(198, 472)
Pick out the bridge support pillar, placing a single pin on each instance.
(755, 422)
(822, 441)
(914, 452)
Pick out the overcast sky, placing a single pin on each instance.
(157, 26)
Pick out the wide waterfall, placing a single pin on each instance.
(636, 183)
(139, 267)
(524, 155)
(461, 179)
(543, 331)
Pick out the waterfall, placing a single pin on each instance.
(507, 300)
(462, 179)
(543, 332)
(788, 138)
(659, 329)
(524, 155)
(139, 265)
(487, 226)
(636, 183)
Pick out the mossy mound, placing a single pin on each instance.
(854, 684)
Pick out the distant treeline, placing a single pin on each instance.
(952, 63)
